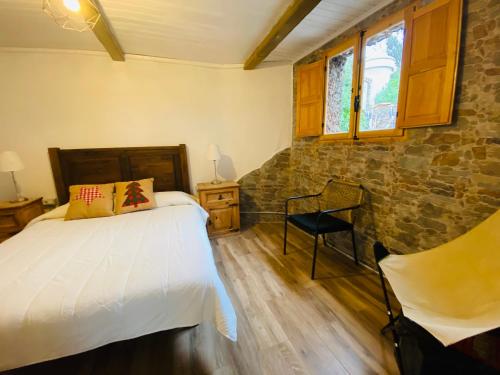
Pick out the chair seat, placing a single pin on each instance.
(327, 224)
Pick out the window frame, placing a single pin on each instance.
(354, 43)
(358, 43)
(386, 23)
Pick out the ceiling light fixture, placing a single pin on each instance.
(73, 5)
(69, 13)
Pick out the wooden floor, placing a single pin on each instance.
(287, 324)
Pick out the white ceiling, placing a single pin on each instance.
(216, 31)
(213, 31)
(327, 20)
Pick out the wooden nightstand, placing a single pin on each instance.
(222, 201)
(15, 216)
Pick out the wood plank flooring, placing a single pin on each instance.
(287, 323)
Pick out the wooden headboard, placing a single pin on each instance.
(167, 164)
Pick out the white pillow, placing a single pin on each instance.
(174, 198)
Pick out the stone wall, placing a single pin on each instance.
(263, 191)
(439, 181)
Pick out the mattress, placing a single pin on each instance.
(70, 286)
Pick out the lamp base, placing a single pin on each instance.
(19, 195)
(215, 181)
(18, 200)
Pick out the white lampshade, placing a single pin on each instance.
(213, 152)
(10, 162)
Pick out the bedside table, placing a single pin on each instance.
(15, 216)
(222, 202)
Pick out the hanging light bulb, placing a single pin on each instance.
(73, 5)
(69, 14)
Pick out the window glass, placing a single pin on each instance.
(381, 73)
(339, 92)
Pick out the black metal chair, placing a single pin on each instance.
(380, 252)
(339, 199)
(417, 352)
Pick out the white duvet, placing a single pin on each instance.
(71, 286)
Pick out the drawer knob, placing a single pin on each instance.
(220, 197)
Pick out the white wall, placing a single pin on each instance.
(83, 100)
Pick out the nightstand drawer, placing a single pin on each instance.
(221, 197)
(7, 222)
(4, 236)
(15, 215)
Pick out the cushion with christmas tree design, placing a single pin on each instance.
(134, 196)
(87, 201)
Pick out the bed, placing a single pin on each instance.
(70, 286)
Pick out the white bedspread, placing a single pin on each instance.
(71, 286)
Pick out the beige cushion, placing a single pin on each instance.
(134, 196)
(87, 201)
(453, 290)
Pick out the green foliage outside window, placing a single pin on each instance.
(390, 92)
(346, 95)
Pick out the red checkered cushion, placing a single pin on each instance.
(87, 201)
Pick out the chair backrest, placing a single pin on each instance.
(338, 194)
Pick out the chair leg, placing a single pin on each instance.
(324, 239)
(314, 255)
(284, 240)
(354, 247)
(399, 358)
(388, 327)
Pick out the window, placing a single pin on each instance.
(398, 74)
(370, 108)
(340, 64)
(381, 75)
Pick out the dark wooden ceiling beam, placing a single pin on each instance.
(295, 13)
(102, 30)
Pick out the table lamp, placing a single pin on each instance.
(213, 154)
(11, 162)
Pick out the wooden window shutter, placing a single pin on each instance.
(429, 65)
(310, 93)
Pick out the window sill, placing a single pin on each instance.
(381, 133)
(335, 137)
(379, 137)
